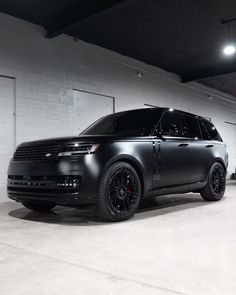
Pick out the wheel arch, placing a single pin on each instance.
(220, 161)
(130, 160)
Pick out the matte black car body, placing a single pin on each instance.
(165, 164)
(23, 176)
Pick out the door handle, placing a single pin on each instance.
(183, 145)
(209, 146)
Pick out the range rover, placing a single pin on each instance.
(119, 160)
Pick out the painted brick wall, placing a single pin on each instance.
(47, 71)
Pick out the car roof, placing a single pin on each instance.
(166, 109)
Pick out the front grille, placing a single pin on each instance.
(46, 152)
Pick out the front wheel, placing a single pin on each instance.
(38, 206)
(119, 193)
(215, 188)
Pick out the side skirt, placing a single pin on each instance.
(180, 189)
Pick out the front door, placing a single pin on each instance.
(172, 152)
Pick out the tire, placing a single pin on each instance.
(38, 206)
(119, 193)
(216, 181)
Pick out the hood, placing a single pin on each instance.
(83, 139)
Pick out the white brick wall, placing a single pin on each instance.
(47, 71)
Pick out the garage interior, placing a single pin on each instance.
(65, 64)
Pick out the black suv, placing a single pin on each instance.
(120, 159)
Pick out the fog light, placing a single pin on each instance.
(69, 182)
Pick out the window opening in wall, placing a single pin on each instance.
(88, 107)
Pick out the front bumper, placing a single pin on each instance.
(64, 181)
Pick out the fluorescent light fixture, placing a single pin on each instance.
(229, 49)
(171, 109)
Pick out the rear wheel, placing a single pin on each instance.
(38, 206)
(215, 188)
(119, 193)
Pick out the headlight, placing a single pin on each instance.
(79, 148)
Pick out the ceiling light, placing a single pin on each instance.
(229, 50)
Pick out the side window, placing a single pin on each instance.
(214, 135)
(205, 133)
(193, 127)
(171, 124)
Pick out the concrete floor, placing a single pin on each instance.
(174, 245)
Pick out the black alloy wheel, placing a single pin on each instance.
(123, 191)
(215, 188)
(120, 192)
(218, 180)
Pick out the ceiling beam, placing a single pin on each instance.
(52, 33)
(223, 69)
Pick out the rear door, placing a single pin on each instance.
(172, 152)
(201, 149)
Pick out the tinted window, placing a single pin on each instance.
(205, 133)
(171, 125)
(214, 135)
(193, 127)
(130, 123)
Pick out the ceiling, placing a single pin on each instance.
(185, 36)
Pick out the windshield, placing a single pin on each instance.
(129, 123)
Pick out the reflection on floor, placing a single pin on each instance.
(174, 245)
